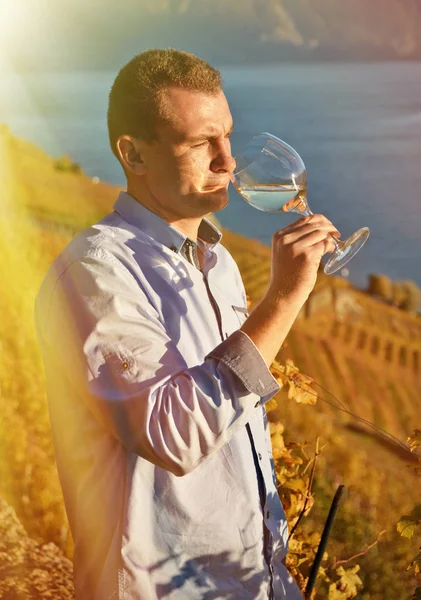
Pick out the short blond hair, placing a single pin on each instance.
(135, 99)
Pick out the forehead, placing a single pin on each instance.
(188, 113)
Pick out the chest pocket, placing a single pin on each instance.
(241, 312)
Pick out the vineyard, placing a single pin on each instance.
(360, 355)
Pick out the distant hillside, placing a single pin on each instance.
(104, 36)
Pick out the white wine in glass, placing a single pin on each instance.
(271, 177)
(275, 197)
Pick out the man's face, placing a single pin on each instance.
(187, 171)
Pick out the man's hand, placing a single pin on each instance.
(296, 253)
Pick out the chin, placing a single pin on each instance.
(204, 203)
(217, 200)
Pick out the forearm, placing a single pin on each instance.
(176, 423)
(270, 321)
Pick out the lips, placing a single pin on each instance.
(217, 185)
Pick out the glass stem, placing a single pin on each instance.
(335, 241)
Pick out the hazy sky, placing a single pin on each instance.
(41, 33)
(103, 34)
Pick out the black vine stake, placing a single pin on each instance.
(323, 542)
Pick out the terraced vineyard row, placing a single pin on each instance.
(365, 353)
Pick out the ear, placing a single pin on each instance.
(130, 155)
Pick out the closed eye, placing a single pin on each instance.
(200, 144)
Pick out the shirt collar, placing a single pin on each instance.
(160, 230)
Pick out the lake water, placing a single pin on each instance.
(356, 126)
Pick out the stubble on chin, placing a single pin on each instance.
(217, 200)
(203, 203)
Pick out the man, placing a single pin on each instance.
(157, 377)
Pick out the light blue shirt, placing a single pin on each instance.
(157, 411)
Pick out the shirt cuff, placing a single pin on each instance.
(241, 355)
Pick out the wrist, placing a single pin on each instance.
(278, 300)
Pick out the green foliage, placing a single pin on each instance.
(408, 523)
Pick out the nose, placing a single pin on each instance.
(223, 161)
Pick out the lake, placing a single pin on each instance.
(356, 126)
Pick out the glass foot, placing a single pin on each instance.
(346, 250)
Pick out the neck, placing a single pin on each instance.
(188, 226)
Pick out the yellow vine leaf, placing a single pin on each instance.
(297, 559)
(297, 485)
(295, 545)
(414, 440)
(278, 371)
(408, 523)
(406, 527)
(276, 427)
(291, 460)
(293, 506)
(300, 385)
(415, 564)
(277, 439)
(272, 404)
(347, 586)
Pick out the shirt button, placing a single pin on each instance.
(257, 404)
(260, 456)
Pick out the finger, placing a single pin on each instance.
(326, 246)
(313, 238)
(317, 217)
(314, 221)
(324, 229)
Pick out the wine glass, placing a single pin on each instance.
(271, 176)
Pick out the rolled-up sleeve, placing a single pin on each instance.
(241, 355)
(108, 339)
